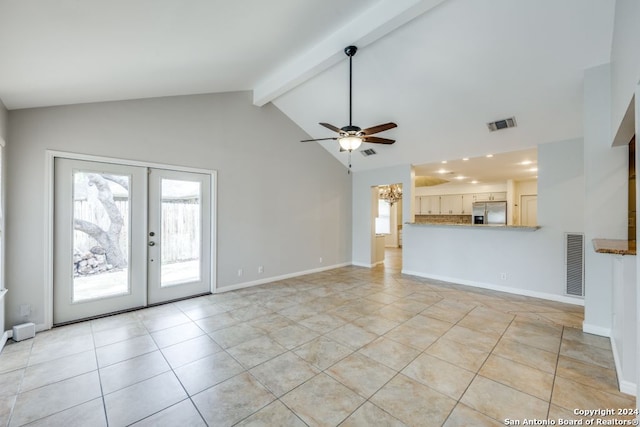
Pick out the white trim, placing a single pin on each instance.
(363, 264)
(50, 156)
(596, 330)
(5, 336)
(276, 278)
(48, 233)
(516, 291)
(623, 385)
(125, 162)
(214, 231)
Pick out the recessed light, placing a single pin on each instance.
(444, 162)
(460, 177)
(526, 162)
(533, 170)
(474, 182)
(489, 155)
(442, 171)
(464, 159)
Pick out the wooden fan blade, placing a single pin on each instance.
(379, 128)
(332, 127)
(377, 140)
(320, 139)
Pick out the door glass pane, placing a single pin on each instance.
(180, 235)
(100, 236)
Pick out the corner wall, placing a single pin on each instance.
(280, 204)
(4, 119)
(625, 60)
(605, 210)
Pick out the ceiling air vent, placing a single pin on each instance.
(502, 124)
(368, 152)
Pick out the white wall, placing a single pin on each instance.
(605, 213)
(533, 261)
(4, 115)
(625, 59)
(624, 320)
(362, 217)
(625, 75)
(281, 204)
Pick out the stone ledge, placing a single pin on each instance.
(614, 246)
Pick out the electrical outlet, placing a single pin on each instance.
(503, 276)
(239, 272)
(260, 269)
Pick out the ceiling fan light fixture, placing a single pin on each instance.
(350, 142)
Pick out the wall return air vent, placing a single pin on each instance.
(502, 124)
(574, 263)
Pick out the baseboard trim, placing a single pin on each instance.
(596, 330)
(493, 287)
(624, 386)
(276, 278)
(5, 336)
(362, 264)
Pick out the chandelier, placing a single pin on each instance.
(390, 193)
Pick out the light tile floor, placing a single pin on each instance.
(350, 347)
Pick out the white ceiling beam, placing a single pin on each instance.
(374, 23)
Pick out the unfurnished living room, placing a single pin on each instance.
(336, 213)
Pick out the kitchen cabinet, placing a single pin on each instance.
(467, 204)
(430, 205)
(427, 205)
(490, 197)
(454, 204)
(451, 204)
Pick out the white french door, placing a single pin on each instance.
(178, 235)
(126, 237)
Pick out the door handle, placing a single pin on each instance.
(152, 243)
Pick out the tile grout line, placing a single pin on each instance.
(555, 373)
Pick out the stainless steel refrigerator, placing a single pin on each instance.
(491, 213)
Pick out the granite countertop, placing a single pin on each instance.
(477, 226)
(614, 246)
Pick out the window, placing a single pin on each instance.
(383, 221)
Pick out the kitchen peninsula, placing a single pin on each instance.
(475, 226)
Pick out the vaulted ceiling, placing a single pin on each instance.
(440, 69)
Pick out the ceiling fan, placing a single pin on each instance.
(351, 137)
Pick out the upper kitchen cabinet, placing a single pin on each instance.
(446, 204)
(467, 204)
(500, 196)
(428, 205)
(451, 204)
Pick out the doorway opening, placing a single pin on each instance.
(386, 236)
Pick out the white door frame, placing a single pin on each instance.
(50, 156)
